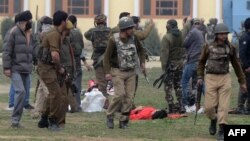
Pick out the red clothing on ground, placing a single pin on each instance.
(144, 113)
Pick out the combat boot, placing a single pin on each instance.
(110, 122)
(212, 128)
(43, 123)
(182, 109)
(123, 124)
(220, 136)
(53, 126)
(171, 108)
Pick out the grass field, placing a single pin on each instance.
(91, 126)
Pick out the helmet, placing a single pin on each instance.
(100, 18)
(221, 28)
(126, 22)
(213, 21)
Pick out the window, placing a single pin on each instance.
(10, 7)
(79, 7)
(166, 8)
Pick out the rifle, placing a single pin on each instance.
(149, 54)
(198, 101)
(146, 76)
(165, 76)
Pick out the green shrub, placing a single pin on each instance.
(152, 42)
(6, 24)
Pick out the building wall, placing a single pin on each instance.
(205, 9)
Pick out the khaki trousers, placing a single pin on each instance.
(100, 77)
(124, 86)
(218, 93)
(41, 95)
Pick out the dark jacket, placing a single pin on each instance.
(244, 45)
(193, 43)
(17, 56)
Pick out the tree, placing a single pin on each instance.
(6, 24)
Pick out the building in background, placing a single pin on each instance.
(85, 10)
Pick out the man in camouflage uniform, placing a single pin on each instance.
(49, 67)
(171, 60)
(215, 58)
(210, 35)
(76, 41)
(99, 37)
(123, 50)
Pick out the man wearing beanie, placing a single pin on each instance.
(171, 60)
(17, 62)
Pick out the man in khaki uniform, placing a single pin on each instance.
(99, 36)
(49, 67)
(120, 57)
(215, 58)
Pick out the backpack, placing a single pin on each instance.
(100, 38)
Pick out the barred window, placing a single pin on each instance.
(10, 7)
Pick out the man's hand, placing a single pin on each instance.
(7, 72)
(143, 68)
(243, 88)
(247, 70)
(61, 70)
(199, 82)
(108, 77)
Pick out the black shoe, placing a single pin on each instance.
(123, 124)
(212, 128)
(43, 123)
(220, 136)
(110, 123)
(16, 125)
(182, 110)
(28, 107)
(53, 125)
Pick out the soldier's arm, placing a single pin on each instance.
(164, 53)
(81, 40)
(188, 40)
(141, 51)
(54, 44)
(237, 68)
(202, 62)
(108, 54)
(142, 35)
(88, 35)
(8, 47)
(243, 46)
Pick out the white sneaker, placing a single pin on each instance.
(201, 110)
(187, 108)
(10, 108)
(193, 108)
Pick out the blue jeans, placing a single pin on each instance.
(20, 84)
(12, 94)
(190, 71)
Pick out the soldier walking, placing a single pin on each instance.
(172, 64)
(120, 58)
(215, 58)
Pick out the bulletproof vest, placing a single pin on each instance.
(218, 59)
(100, 39)
(176, 50)
(76, 41)
(126, 52)
(210, 33)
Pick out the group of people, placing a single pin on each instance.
(190, 57)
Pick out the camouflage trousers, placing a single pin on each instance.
(244, 98)
(173, 82)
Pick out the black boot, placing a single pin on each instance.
(171, 108)
(212, 128)
(123, 124)
(182, 110)
(43, 123)
(110, 123)
(221, 133)
(53, 125)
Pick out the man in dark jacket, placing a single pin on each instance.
(171, 60)
(17, 62)
(244, 44)
(193, 44)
